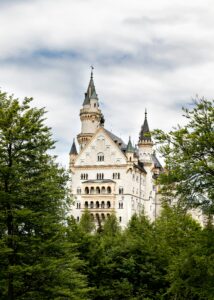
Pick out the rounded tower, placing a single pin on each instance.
(90, 114)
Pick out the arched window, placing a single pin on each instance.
(86, 190)
(100, 156)
(100, 176)
(102, 216)
(103, 190)
(121, 205)
(92, 217)
(120, 219)
(120, 190)
(102, 204)
(78, 191)
(97, 217)
(86, 204)
(92, 190)
(91, 204)
(78, 218)
(97, 190)
(84, 176)
(108, 204)
(108, 190)
(97, 204)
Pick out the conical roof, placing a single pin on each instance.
(130, 148)
(145, 134)
(73, 148)
(91, 91)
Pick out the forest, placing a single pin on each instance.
(46, 254)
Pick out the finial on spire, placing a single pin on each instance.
(145, 113)
(92, 68)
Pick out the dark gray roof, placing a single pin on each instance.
(145, 133)
(117, 140)
(140, 166)
(73, 149)
(91, 91)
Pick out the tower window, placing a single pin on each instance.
(100, 157)
(78, 191)
(120, 219)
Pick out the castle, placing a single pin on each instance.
(109, 176)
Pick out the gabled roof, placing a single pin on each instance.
(91, 91)
(145, 134)
(73, 148)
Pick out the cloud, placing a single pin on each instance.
(147, 54)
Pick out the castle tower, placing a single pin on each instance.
(145, 143)
(90, 114)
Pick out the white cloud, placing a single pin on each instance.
(156, 54)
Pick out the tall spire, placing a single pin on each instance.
(91, 91)
(145, 134)
(73, 148)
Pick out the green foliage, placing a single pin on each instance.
(189, 155)
(192, 272)
(86, 222)
(36, 259)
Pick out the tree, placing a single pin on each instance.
(36, 259)
(189, 156)
(191, 272)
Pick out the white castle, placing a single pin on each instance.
(109, 176)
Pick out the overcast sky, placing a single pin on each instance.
(155, 54)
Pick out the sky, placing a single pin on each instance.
(156, 54)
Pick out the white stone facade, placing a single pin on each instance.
(109, 176)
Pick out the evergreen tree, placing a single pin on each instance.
(189, 156)
(36, 259)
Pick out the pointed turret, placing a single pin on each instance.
(90, 114)
(91, 91)
(73, 150)
(145, 144)
(73, 153)
(130, 148)
(145, 135)
(130, 151)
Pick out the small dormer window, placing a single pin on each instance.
(100, 157)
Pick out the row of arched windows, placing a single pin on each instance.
(116, 176)
(98, 190)
(97, 204)
(84, 176)
(100, 176)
